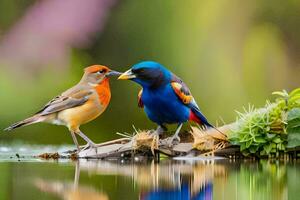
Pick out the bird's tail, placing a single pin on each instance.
(202, 120)
(25, 122)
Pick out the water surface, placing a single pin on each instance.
(28, 178)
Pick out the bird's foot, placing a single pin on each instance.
(90, 146)
(155, 133)
(159, 131)
(73, 151)
(173, 140)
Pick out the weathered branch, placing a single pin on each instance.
(144, 143)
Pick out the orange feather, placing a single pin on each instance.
(103, 91)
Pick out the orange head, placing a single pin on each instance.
(95, 74)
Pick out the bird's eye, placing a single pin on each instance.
(138, 71)
(101, 71)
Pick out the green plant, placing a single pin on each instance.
(293, 128)
(271, 129)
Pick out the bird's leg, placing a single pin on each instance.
(75, 140)
(175, 136)
(90, 143)
(159, 130)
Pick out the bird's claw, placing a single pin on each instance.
(75, 151)
(173, 141)
(90, 146)
(155, 133)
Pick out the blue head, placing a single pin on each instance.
(148, 74)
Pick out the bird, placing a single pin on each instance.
(78, 105)
(165, 98)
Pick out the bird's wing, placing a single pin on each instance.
(185, 95)
(140, 102)
(182, 91)
(71, 98)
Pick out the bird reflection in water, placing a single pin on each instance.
(70, 191)
(178, 180)
(165, 180)
(182, 193)
(194, 182)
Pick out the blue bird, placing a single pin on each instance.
(165, 97)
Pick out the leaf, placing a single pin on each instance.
(259, 140)
(295, 92)
(293, 114)
(277, 140)
(246, 153)
(263, 152)
(281, 93)
(294, 98)
(253, 149)
(273, 150)
(293, 140)
(293, 121)
(271, 135)
(248, 143)
(243, 146)
(268, 148)
(295, 129)
(280, 146)
(246, 138)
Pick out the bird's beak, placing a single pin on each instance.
(113, 73)
(127, 75)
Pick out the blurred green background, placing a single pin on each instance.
(229, 52)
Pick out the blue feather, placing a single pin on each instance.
(162, 106)
(161, 103)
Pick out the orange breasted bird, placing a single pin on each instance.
(78, 105)
(166, 99)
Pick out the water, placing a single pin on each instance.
(28, 178)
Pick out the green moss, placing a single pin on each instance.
(271, 129)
